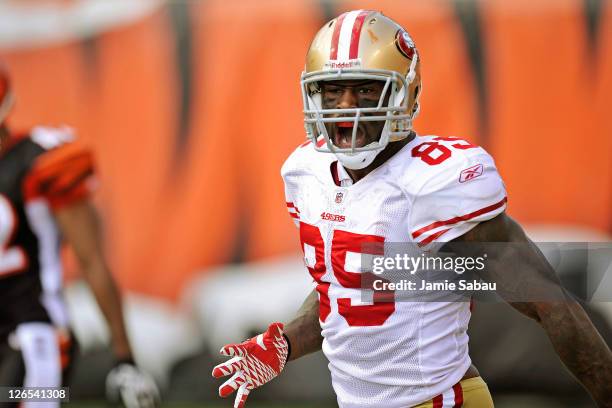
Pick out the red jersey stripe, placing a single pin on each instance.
(458, 395)
(460, 218)
(291, 205)
(432, 237)
(437, 401)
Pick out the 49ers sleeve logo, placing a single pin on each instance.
(404, 44)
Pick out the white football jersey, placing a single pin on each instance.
(433, 190)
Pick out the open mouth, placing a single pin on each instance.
(343, 135)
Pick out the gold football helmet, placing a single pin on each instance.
(6, 94)
(362, 45)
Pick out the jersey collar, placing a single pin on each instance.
(340, 175)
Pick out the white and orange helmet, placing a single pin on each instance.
(6, 94)
(362, 44)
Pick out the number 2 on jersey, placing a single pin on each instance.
(12, 259)
(342, 243)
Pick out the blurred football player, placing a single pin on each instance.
(46, 178)
(377, 181)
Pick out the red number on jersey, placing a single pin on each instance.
(310, 235)
(463, 146)
(435, 153)
(343, 242)
(383, 305)
(12, 258)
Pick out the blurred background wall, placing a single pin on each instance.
(191, 107)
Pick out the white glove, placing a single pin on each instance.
(133, 387)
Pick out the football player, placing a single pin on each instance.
(375, 182)
(45, 184)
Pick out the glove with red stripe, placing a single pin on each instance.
(254, 362)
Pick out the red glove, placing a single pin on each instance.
(255, 362)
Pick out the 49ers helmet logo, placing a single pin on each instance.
(404, 44)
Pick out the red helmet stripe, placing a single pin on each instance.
(353, 53)
(333, 54)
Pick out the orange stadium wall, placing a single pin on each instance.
(192, 109)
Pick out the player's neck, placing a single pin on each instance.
(386, 154)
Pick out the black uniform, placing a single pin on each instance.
(20, 285)
(39, 173)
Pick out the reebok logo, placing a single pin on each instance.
(470, 173)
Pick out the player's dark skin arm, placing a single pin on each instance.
(79, 226)
(573, 336)
(304, 332)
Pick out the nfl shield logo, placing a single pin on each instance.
(339, 196)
